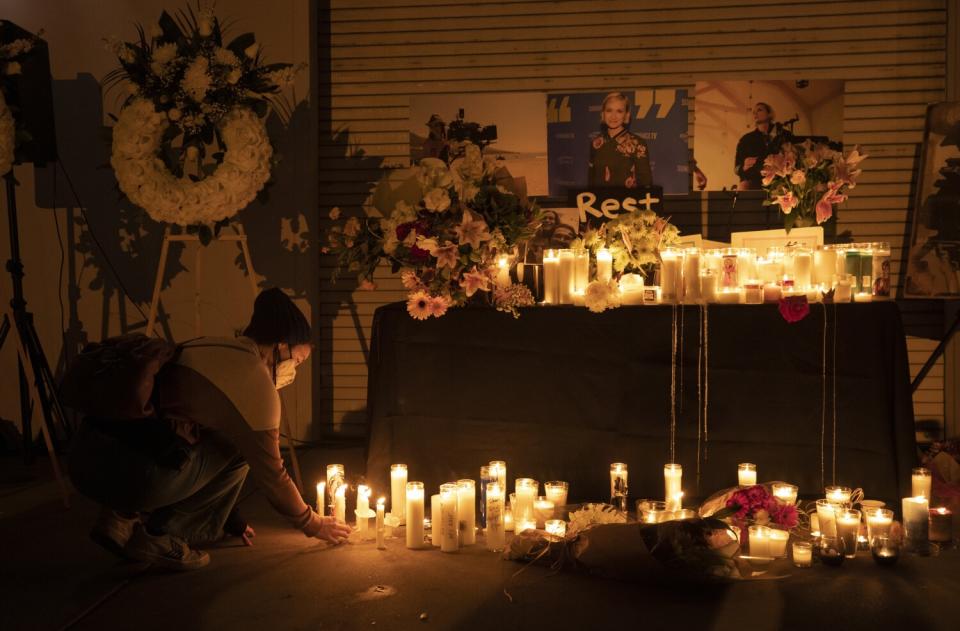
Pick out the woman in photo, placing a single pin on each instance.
(618, 158)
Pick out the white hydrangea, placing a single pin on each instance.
(145, 179)
(7, 137)
(196, 79)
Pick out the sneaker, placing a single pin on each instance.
(164, 551)
(113, 530)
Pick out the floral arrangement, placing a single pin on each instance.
(11, 54)
(591, 515)
(445, 243)
(755, 504)
(806, 180)
(186, 83)
(601, 295)
(634, 240)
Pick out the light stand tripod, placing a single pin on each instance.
(18, 321)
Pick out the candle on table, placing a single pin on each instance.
(802, 554)
(526, 490)
(671, 276)
(551, 277)
(729, 296)
(618, 485)
(566, 283)
(556, 527)
(843, 291)
(760, 541)
(922, 482)
(916, 518)
(503, 270)
(467, 511)
(579, 298)
(885, 550)
(321, 498)
(708, 286)
(803, 268)
(839, 494)
(450, 520)
(581, 269)
(814, 524)
(414, 513)
(848, 525)
(335, 478)
(498, 470)
(398, 491)
(486, 476)
(863, 296)
(557, 492)
(651, 295)
(381, 529)
(631, 289)
(340, 504)
(508, 520)
(691, 276)
(746, 474)
(786, 493)
(941, 525)
(436, 520)
(673, 486)
(778, 542)
(772, 292)
(746, 263)
(495, 531)
(752, 292)
(826, 518)
(526, 524)
(824, 265)
(879, 521)
(604, 265)
(543, 511)
(363, 508)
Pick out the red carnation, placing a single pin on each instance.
(794, 308)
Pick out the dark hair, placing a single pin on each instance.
(277, 320)
(766, 106)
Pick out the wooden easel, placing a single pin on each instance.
(238, 236)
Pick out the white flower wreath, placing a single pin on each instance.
(7, 137)
(147, 181)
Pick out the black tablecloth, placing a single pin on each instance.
(560, 393)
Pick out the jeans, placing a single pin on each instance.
(141, 466)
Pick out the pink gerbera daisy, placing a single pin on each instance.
(418, 305)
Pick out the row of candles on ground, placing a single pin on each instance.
(855, 272)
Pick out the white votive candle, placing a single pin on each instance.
(839, 495)
(498, 470)
(363, 508)
(436, 519)
(708, 286)
(916, 518)
(381, 529)
(581, 270)
(671, 275)
(863, 296)
(746, 474)
(340, 504)
(508, 520)
(398, 491)
(567, 277)
(551, 277)
(543, 511)
(802, 554)
(526, 524)
(786, 493)
(414, 512)
(826, 517)
(503, 271)
(556, 527)
(495, 532)
(879, 522)
(604, 265)
(673, 486)
(760, 541)
(526, 490)
(728, 296)
(778, 542)
(450, 521)
(467, 511)
(922, 482)
(848, 526)
(556, 491)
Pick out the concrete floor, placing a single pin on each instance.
(52, 576)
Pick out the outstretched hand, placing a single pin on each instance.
(248, 535)
(333, 531)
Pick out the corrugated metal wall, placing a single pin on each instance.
(891, 53)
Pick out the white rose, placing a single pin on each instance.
(437, 200)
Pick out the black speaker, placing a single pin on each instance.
(29, 95)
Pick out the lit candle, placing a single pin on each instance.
(843, 291)
(802, 554)
(618, 484)
(691, 276)
(778, 542)
(526, 490)
(879, 521)
(803, 268)
(581, 270)
(671, 275)
(786, 493)
(486, 476)
(551, 277)
(683, 513)
(708, 286)
(826, 518)
(381, 529)
(508, 520)
(673, 486)
(321, 498)
(566, 283)
(414, 513)
(557, 492)
(340, 504)
(498, 470)
(760, 541)
(729, 296)
(848, 526)
(916, 518)
(824, 265)
(941, 525)
(543, 511)
(772, 292)
(922, 482)
(746, 474)
(495, 532)
(604, 265)
(863, 296)
(503, 270)
(335, 478)
(556, 527)
(363, 508)
(579, 297)
(631, 289)
(398, 491)
(752, 292)
(436, 520)
(839, 494)
(467, 511)
(450, 523)
(526, 524)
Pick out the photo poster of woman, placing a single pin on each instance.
(619, 139)
(506, 125)
(737, 124)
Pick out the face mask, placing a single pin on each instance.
(286, 373)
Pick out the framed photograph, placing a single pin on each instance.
(559, 229)
(763, 239)
(933, 264)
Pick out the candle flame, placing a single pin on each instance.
(942, 510)
(381, 501)
(363, 490)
